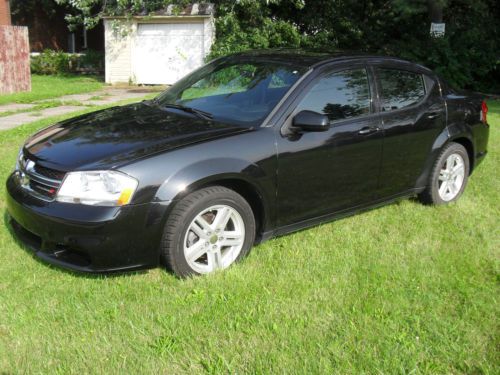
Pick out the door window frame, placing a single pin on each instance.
(404, 67)
(288, 109)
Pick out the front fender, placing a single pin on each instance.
(206, 172)
(234, 173)
(245, 161)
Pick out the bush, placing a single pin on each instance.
(467, 56)
(51, 62)
(58, 63)
(91, 61)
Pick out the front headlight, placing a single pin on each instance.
(97, 188)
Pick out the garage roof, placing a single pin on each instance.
(194, 9)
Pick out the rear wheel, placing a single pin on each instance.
(208, 230)
(449, 176)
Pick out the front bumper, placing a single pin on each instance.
(87, 238)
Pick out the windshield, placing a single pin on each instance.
(231, 91)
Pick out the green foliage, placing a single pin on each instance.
(57, 62)
(51, 62)
(467, 55)
(25, 8)
(93, 60)
(249, 24)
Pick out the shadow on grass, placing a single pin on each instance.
(31, 252)
(351, 212)
(339, 216)
(83, 76)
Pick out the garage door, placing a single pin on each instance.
(164, 53)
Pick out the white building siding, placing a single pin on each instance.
(156, 50)
(118, 47)
(208, 35)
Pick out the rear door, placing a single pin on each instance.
(412, 114)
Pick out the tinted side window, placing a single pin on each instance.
(339, 95)
(399, 88)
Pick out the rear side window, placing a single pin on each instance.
(339, 95)
(400, 88)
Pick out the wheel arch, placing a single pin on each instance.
(242, 186)
(249, 192)
(469, 147)
(446, 137)
(246, 179)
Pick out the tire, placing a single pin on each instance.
(209, 229)
(444, 185)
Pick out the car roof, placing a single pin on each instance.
(313, 58)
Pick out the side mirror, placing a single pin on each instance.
(311, 121)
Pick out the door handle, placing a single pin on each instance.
(369, 130)
(433, 115)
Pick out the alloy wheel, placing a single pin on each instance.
(214, 239)
(451, 177)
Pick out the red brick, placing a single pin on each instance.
(4, 12)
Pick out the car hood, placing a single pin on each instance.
(115, 136)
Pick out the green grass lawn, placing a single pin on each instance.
(48, 87)
(402, 289)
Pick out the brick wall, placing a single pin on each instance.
(14, 59)
(49, 29)
(4, 12)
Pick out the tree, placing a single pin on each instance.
(435, 8)
(467, 56)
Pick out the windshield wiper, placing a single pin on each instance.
(198, 112)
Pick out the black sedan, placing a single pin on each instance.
(247, 147)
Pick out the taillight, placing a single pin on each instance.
(484, 112)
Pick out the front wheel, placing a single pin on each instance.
(209, 229)
(449, 176)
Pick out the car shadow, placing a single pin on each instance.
(29, 251)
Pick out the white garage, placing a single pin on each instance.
(158, 49)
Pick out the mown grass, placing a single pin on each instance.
(48, 87)
(402, 289)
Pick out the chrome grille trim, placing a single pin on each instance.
(28, 175)
(30, 171)
(36, 194)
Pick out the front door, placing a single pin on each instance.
(325, 172)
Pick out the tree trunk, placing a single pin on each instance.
(435, 8)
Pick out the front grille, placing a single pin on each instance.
(40, 181)
(42, 189)
(50, 173)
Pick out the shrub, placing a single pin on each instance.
(91, 61)
(51, 62)
(57, 62)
